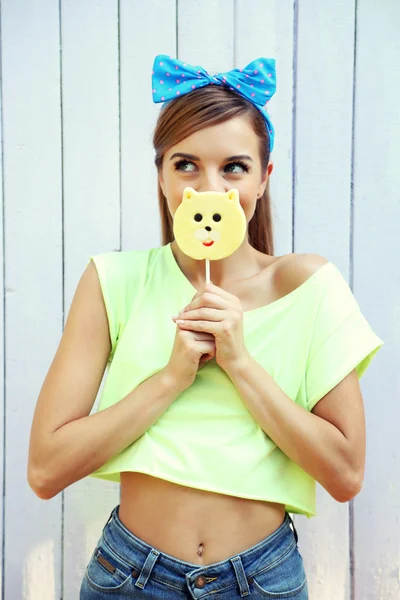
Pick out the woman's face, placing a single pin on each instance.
(211, 166)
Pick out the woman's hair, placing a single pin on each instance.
(204, 107)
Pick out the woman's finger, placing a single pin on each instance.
(208, 300)
(203, 313)
(209, 326)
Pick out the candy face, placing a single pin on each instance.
(209, 224)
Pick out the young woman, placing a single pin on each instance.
(218, 423)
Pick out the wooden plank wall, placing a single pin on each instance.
(77, 178)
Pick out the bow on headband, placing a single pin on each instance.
(172, 78)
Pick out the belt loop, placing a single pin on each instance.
(241, 578)
(109, 518)
(147, 568)
(294, 528)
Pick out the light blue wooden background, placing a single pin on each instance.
(78, 178)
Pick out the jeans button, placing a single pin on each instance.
(200, 582)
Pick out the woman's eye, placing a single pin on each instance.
(181, 163)
(242, 165)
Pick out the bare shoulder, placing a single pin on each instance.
(292, 270)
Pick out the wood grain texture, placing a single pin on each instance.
(78, 178)
(322, 225)
(377, 284)
(3, 292)
(146, 29)
(33, 278)
(91, 197)
(267, 30)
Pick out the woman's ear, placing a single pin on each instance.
(161, 182)
(265, 178)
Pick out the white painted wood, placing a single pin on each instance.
(211, 24)
(33, 276)
(377, 283)
(147, 29)
(2, 355)
(90, 117)
(267, 30)
(79, 178)
(323, 138)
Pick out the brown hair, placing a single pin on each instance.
(206, 106)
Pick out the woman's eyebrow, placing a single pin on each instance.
(192, 157)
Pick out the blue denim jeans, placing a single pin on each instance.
(123, 566)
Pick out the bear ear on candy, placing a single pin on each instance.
(188, 193)
(233, 194)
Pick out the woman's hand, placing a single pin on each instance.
(216, 311)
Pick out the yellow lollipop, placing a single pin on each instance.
(209, 225)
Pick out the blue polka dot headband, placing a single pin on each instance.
(172, 78)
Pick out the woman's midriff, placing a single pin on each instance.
(195, 526)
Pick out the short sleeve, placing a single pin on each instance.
(342, 339)
(112, 286)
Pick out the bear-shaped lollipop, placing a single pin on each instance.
(209, 225)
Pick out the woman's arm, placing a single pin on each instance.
(84, 445)
(67, 443)
(333, 453)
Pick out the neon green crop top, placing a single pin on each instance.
(308, 341)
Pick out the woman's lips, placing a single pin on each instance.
(208, 243)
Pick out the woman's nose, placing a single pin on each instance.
(212, 183)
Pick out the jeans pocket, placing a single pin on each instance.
(106, 571)
(283, 579)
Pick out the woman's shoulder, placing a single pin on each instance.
(293, 270)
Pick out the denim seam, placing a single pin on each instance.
(102, 589)
(137, 568)
(281, 595)
(277, 561)
(120, 573)
(129, 565)
(220, 590)
(170, 585)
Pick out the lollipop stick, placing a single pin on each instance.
(207, 271)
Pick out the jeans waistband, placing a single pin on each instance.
(236, 570)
